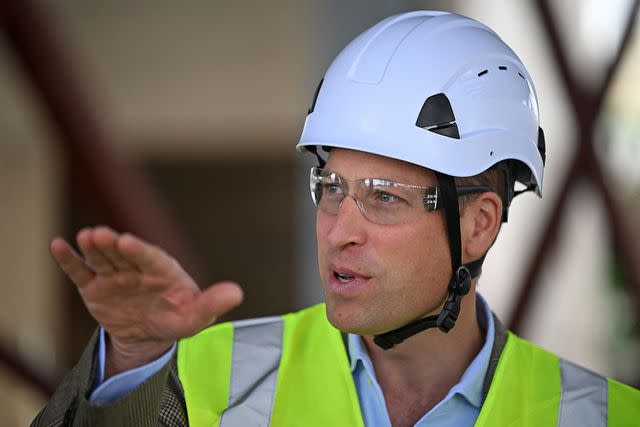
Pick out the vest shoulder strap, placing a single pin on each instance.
(315, 384)
(525, 389)
(275, 371)
(624, 404)
(204, 368)
(532, 387)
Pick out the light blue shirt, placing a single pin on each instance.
(118, 385)
(460, 407)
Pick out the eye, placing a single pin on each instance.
(387, 198)
(331, 188)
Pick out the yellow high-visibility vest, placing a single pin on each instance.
(293, 370)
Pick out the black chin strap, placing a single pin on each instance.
(460, 283)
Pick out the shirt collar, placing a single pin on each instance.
(471, 382)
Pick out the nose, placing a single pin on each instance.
(357, 202)
(349, 224)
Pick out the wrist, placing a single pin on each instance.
(121, 357)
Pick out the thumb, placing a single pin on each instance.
(216, 300)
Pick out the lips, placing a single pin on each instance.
(345, 281)
(346, 274)
(343, 278)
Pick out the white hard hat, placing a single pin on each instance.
(441, 91)
(435, 89)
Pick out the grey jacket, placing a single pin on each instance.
(159, 401)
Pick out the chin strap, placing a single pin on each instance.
(460, 283)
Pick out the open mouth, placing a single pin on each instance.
(343, 278)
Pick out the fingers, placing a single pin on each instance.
(70, 262)
(92, 254)
(108, 252)
(106, 241)
(144, 256)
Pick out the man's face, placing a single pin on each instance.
(379, 277)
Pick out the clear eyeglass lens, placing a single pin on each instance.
(380, 201)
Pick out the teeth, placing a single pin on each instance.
(344, 278)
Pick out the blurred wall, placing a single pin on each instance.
(577, 311)
(30, 321)
(214, 85)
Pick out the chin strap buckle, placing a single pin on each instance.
(458, 287)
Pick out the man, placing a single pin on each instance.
(418, 99)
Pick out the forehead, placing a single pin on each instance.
(353, 164)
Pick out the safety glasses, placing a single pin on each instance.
(380, 200)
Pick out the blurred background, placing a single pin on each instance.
(178, 121)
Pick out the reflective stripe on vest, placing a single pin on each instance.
(294, 370)
(583, 397)
(532, 387)
(257, 347)
(302, 376)
(315, 385)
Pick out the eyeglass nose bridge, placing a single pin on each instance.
(358, 202)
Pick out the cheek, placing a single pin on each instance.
(417, 254)
(322, 229)
(323, 246)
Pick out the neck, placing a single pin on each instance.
(427, 365)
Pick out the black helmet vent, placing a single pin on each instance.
(315, 97)
(437, 116)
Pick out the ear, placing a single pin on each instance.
(479, 225)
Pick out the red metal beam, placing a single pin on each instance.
(18, 367)
(108, 182)
(584, 164)
(111, 183)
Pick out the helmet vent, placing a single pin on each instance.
(315, 97)
(541, 145)
(437, 116)
(520, 74)
(502, 67)
(482, 73)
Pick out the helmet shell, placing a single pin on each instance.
(375, 88)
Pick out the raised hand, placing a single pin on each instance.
(139, 294)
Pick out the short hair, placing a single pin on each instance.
(494, 178)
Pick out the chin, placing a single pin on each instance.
(352, 320)
(343, 318)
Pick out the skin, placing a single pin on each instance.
(402, 282)
(140, 295)
(145, 301)
(405, 271)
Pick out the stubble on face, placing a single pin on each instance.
(403, 269)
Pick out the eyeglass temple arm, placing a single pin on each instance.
(432, 197)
